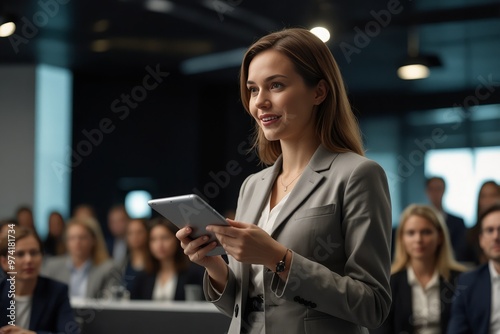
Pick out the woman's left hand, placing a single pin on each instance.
(14, 330)
(248, 243)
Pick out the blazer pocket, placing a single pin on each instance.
(315, 212)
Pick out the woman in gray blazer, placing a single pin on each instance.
(309, 249)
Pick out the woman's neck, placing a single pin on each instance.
(137, 257)
(424, 270)
(79, 261)
(167, 266)
(297, 155)
(25, 287)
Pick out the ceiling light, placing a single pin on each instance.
(7, 26)
(416, 65)
(322, 33)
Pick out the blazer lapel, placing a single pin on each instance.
(310, 180)
(38, 304)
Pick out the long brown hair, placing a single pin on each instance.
(445, 260)
(335, 122)
(181, 260)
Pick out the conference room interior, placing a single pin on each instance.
(121, 101)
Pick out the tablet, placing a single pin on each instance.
(190, 210)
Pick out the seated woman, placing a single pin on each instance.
(171, 271)
(424, 274)
(41, 304)
(86, 268)
(54, 244)
(137, 251)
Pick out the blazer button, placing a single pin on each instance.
(313, 305)
(236, 310)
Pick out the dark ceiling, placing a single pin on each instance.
(369, 38)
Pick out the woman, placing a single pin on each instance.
(54, 244)
(424, 274)
(86, 268)
(171, 273)
(41, 305)
(309, 247)
(489, 194)
(137, 251)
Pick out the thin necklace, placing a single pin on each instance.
(286, 186)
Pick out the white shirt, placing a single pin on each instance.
(23, 311)
(79, 279)
(266, 222)
(426, 304)
(165, 291)
(495, 300)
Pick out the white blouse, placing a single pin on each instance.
(165, 291)
(426, 304)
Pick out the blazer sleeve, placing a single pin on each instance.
(361, 294)
(65, 319)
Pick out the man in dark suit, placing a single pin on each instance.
(476, 308)
(434, 189)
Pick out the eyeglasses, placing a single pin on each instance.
(489, 231)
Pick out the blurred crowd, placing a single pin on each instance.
(141, 259)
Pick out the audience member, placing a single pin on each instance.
(476, 308)
(84, 211)
(118, 219)
(171, 270)
(4, 226)
(423, 274)
(435, 188)
(138, 256)
(489, 194)
(86, 268)
(24, 217)
(54, 243)
(41, 304)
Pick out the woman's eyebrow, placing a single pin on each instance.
(272, 77)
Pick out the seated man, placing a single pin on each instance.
(476, 308)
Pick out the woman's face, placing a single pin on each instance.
(421, 238)
(162, 243)
(280, 102)
(79, 242)
(137, 236)
(488, 196)
(28, 259)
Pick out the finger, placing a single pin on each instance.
(195, 245)
(222, 230)
(183, 233)
(237, 224)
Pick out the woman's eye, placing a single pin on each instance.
(276, 85)
(252, 90)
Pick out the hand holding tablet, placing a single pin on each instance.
(191, 210)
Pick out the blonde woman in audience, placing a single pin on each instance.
(423, 274)
(86, 268)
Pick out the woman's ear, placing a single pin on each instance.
(321, 92)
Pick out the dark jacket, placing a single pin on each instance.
(50, 311)
(400, 316)
(471, 310)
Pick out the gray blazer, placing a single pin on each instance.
(337, 222)
(101, 277)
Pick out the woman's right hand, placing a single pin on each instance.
(216, 267)
(193, 247)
